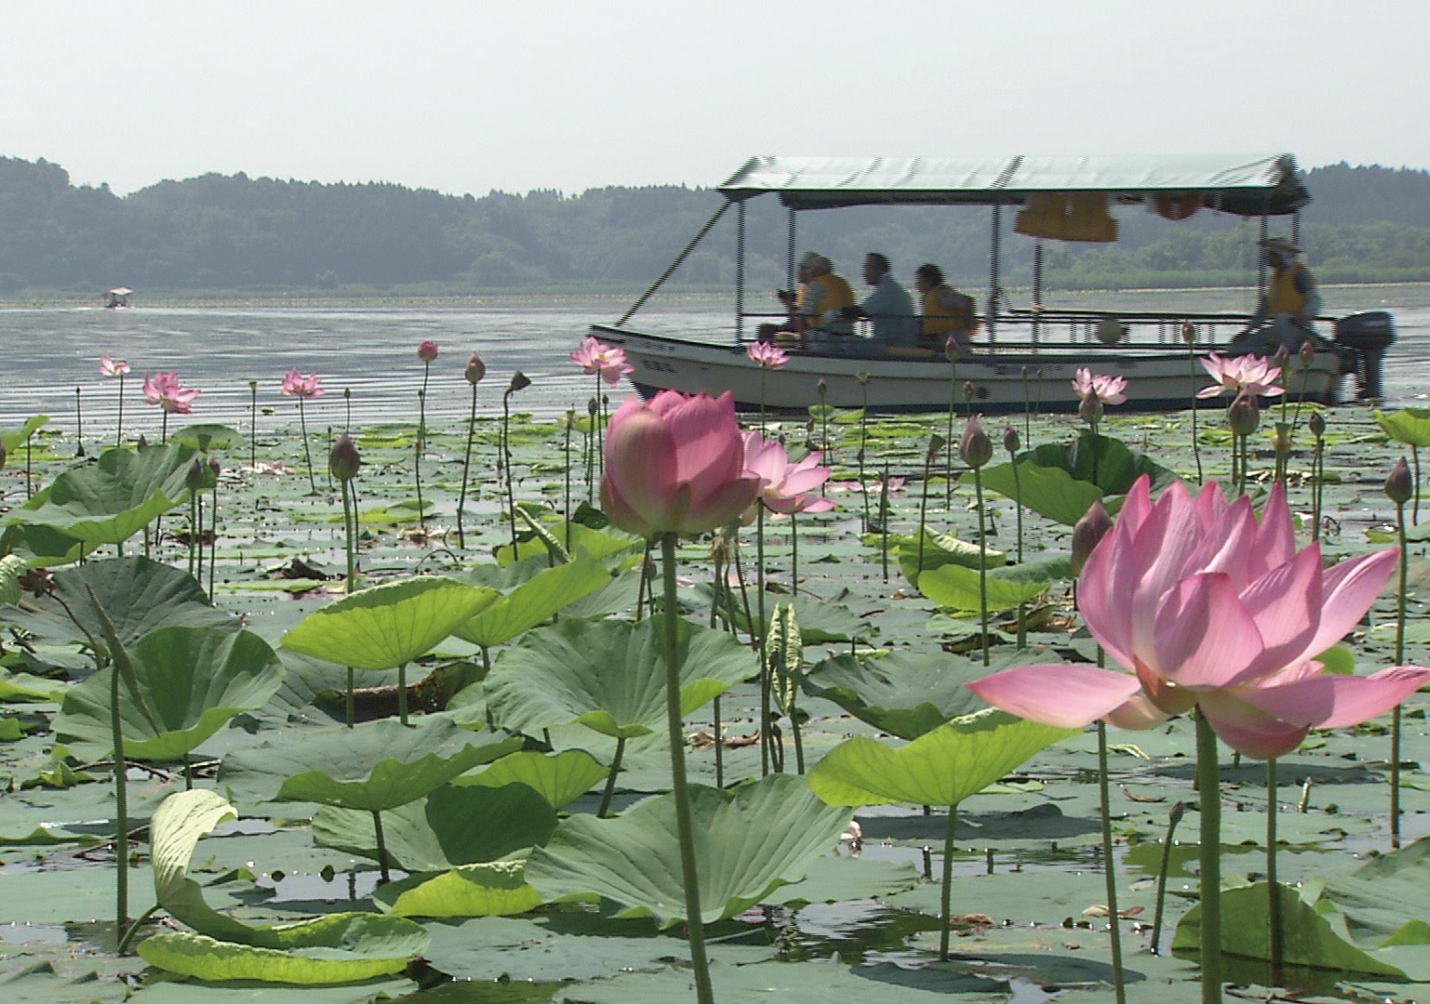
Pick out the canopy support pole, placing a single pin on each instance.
(679, 259)
(740, 272)
(1037, 289)
(994, 261)
(1296, 228)
(789, 254)
(1261, 255)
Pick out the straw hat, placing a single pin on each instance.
(1280, 244)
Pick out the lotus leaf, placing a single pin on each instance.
(1048, 491)
(207, 436)
(389, 625)
(596, 543)
(1410, 426)
(904, 693)
(560, 778)
(12, 441)
(1093, 463)
(192, 679)
(113, 500)
(942, 767)
(534, 601)
(821, 622)
(748, 842)
(453, 826)
(428, 751)
(609, 676)
(493, 889)
(941, 549)
(955, 588)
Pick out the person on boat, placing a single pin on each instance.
(1287, 313)
(889, 307)
(770, 332)
(821, 310)
(946, 312)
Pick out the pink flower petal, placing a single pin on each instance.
(1286, 605)
(1137, 713)
(1333, 701)
(1347, 591)
(1204, 637)
(1246, 729)
(1066, 696)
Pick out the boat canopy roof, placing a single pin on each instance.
(1247, 185)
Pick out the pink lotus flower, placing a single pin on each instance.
(427, 351)
(896, 484)
(165, 390)
(767, 355)
(1209, 608)
(599, 358)
(1235, 374)
(297, 385)
(1106, 389)
(675, 465)
(113, 367)
(785, 487)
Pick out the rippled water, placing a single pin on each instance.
(47, 353)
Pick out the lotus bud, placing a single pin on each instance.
(1307, 353)
(1398, 486)
(347, 393)
(1281, 358)
(822, 388)
(1281, 440)
(253, 386)
(593, 406)
(427, 351)
(1189, 333)
(519, 381)
(1090, 409)
(1317, 424)
(476, 369)
(1086, 535)
(951, 349)
(975, 447)
(194, 477)
(968, 390)
(142, 443)
(1244, 415)
(344, 460)
(214, 468)
(863, 377)
(936, 445)
(1011, 442)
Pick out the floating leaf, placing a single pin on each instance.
(492, 889)
(942, 767)
(609, 675)
(955, 588)
(193, 680)
(748, 842)
(389, 625)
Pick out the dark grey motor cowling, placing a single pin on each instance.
(1367, 333)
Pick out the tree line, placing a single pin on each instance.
(233, 232)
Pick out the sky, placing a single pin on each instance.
(482, 95)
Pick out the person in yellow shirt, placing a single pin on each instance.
(1287, 313)
(944, 312)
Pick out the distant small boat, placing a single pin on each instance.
(117, 297)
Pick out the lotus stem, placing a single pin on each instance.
(566, 511)
(307, 447)
(119, 426)
(213, 544)
(467, 465)
(1273, 882)
(1109, 863)
(506, 465)
(1209, 878)
(1173, 818)
(29, 475)
(766, 722)
(402, 693)
(946, 895)
(164, 429)
(719, 744)
(121, 806)
(417, 453)
(605, 808)
(1196, 443)
(948, 440)
(924, 506)
(1018, 510)
(1027, 410)
(982, 563)
(1415, 464)
(1317, 462)
(704, 994)
(1395, 727)
(133, 929)
(884, 522)
(78, 423)
(252, 419)
(794, 555)
(381, 846)
(350, 533)
(864, 445)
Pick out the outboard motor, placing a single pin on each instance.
(1367, 333)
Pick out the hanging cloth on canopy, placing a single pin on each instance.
(1067, 216)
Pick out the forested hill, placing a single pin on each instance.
(238, 233)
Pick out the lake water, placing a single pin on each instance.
(47, 352)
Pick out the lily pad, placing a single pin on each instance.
(1410, 426)
(609, 676)
(492, 889)
(193, 680)
(942, 767)
(748, 842)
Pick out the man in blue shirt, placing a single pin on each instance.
(889, 306)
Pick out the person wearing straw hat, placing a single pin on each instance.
(1287, 313)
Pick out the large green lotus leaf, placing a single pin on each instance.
(138, 595)
(956, 588)
(1048, 491)
(193, 680)
(337, 948)
(943, 549)
(23, 688)
(369, 764)
(560, 778)
(109, 502)
(1310, 938)
(836, 879)
(534, 601)
(821, 621)
(207, 436)
(492, 889)
(748, 842)
(453, 826)
(905, 693)
(1410, 426)
(15, 440)
(609, 676)
(942, 767)
(1386, 894)
(388, 625)
(42, 546)
(596, 543)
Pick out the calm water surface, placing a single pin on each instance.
(46, 353)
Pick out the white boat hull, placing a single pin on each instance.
(1157, 379)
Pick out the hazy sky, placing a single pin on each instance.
(570, 94)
